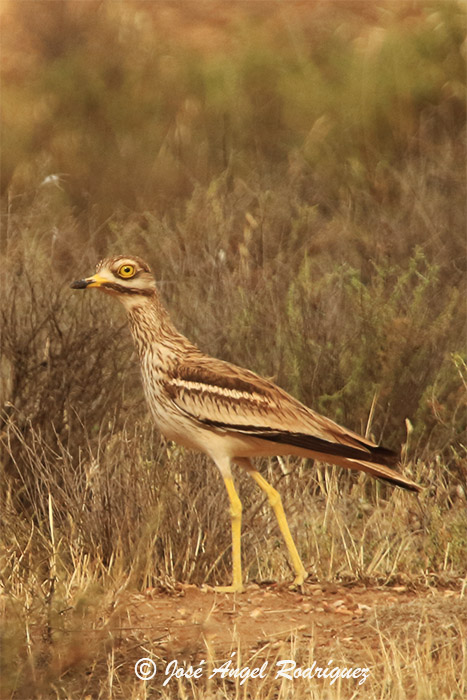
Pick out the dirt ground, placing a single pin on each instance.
(186, 622)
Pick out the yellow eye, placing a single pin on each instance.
(126, 271)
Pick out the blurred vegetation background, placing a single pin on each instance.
(295, 174)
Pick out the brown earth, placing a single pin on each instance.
(338, 621)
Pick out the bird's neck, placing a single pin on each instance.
(152, 327)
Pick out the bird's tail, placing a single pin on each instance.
(381, 471)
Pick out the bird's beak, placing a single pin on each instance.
(94, 281)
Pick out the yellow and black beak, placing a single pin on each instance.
(94, 281)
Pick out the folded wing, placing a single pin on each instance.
(225, 397)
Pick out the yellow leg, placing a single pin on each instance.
(236, 517)
(276, 504)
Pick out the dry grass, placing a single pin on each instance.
(411, 650)
(129, 517)
(301, 221)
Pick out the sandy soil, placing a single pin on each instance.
(187, 622)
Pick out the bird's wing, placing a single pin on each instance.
(226, 397)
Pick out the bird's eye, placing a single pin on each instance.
(126, 271)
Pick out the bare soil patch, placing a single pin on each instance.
(191, 621)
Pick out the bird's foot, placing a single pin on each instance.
(299, 579)
(234, 588)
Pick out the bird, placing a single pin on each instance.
(229, 413)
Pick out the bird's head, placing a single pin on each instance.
(127, 278)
